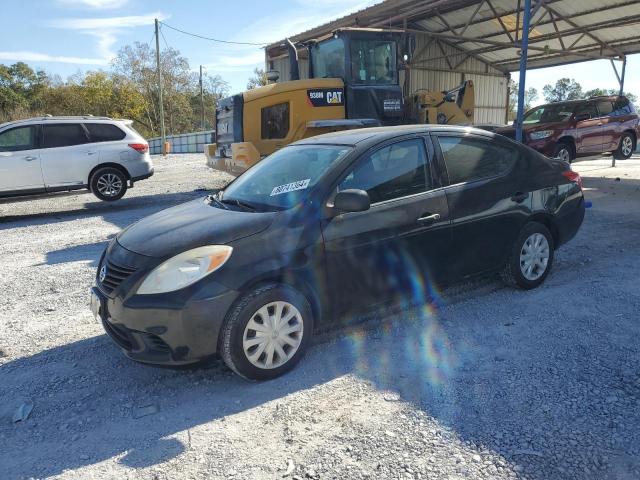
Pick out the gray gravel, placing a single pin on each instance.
(491, 383)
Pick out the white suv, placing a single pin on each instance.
(53, 154)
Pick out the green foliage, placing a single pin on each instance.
(530, 96)
(564, 89)
(259, 79)
(128, 90)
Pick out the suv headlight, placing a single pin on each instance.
(541, 134)
(185, 269)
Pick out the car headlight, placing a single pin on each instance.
(541, 134)
(185, 269)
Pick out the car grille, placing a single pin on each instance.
(118, 334)
(115, 275)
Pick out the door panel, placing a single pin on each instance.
(67, 157)
(605, 108)
(589, 132)
(20, 159)
(489, 203)
(394, 249)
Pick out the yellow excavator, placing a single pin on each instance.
(353, 82)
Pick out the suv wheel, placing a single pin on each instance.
(108, 184)
(531, 258)
(564, 152)
(266, 333)
(625, 149)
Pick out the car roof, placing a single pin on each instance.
(372, 135)
(58, 119)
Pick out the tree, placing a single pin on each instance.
(530, 96)
(259, 79)
(600, 92)
(564, 89)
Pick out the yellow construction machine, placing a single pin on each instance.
(353, 82)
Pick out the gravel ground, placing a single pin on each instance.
(487, 383)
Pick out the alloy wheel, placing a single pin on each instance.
(627, 146)
(564, 155)
(109, 184)
(273, 335)
(534, 257)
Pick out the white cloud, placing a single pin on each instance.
(25, 56)
(109, 22)
(98, 4)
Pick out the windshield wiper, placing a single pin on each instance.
(239, 203)
(216, 199)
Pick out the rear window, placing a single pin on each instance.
(64, 135)
(621, 107)
(275, 121)
(468, 159)
(104, 132)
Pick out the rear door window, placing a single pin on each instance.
(18, 138)
(468, 158)
(394, 171)
(621, 107)
(605, 107)
(64, 135)
(104, 132)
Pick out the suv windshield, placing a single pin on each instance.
(556, 112)
(284, 178)
(373, 62)
(328, 59)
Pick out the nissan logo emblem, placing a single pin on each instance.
(103, 273)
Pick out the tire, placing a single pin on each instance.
(238, 341)
(564, 151)
(515, 272)
(625, 148)
(108, 184)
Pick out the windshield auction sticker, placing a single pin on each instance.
(290, 187)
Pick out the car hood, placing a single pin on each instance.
(191, 225)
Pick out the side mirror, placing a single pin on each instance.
(582, 116)
(352, 200)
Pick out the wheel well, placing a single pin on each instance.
(634, 136)
(112, 165)
(568, 141)
(548, 222)
(294, 282)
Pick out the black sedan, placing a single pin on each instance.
(325, 228)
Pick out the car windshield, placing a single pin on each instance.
(283, 179)
(559, 112)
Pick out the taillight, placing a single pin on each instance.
(573, 177)
(140, 147)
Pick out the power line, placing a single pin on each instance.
(214, 39)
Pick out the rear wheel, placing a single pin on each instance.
(625, 149)
(266, 334)
(108, 184)
(531, 257)
(564, 151)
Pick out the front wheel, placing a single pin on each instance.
(108, 184)
(531, 257)
(266, 333)
(625, 149)
(564, 152)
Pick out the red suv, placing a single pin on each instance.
(567, 130)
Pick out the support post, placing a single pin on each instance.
(201, 101)
(624, 68)
(163, 133)
(524, 47)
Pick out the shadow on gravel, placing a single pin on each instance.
(90, 252)
(108, 210)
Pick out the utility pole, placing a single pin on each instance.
(522, 78)
(201, 100)
(163, 134)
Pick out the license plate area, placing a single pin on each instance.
(97, 305)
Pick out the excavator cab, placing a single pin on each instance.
(367, 61)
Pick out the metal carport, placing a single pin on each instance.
(494, 32)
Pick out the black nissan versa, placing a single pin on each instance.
(324, 228)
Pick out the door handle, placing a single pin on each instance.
(91, 153)
(520, 197)
(428, 219)
(30, 158)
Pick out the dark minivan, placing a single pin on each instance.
(567, 130)
(325, 228)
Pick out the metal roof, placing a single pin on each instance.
(562, 31)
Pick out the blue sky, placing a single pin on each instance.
(67, 36)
